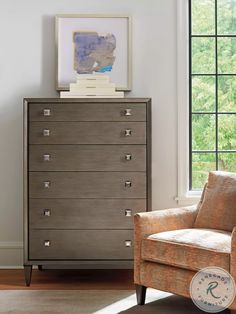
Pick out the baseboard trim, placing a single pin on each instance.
(11, 267)
(15, 267)
(11, 245)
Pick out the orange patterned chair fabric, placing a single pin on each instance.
(188, 248)
(170, 245)
(218, 208)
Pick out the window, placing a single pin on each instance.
(212, 88)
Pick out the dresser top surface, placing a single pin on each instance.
(87, 100)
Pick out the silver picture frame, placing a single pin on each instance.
(64, 21)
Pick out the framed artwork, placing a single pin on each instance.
(93, 44)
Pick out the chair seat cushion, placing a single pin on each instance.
(189, 248)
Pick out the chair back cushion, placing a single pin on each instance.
(217, 209)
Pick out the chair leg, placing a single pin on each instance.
(140, 294)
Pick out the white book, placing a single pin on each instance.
(98, 83)
(91, 93)
(93, 90)
(100, 96)
(92, 77)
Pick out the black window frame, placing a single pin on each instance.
(216, 151)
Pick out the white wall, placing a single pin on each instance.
(27, 69)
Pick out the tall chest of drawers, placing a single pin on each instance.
(87, 171)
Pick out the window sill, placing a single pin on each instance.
(189, 198)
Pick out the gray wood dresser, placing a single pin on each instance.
(87, 171)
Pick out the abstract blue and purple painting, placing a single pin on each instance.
(93, 53)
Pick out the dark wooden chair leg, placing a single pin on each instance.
(140, 294)
(40, 267)
(28, 273)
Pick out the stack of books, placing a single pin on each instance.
(92, 86)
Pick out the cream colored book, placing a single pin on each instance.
(90, 84)
(101, 96)
(93, 90)
(92, 93)
(92, 77)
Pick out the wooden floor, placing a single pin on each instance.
(68, 279)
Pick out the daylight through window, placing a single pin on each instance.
(212, 68)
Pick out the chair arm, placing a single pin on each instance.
(159, 221)
(164, 220)
(233, 254)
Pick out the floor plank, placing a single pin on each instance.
(68, 279)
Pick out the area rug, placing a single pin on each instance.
(92, 302)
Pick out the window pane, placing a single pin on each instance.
(203, 132)
(201, 165)
(227, 131)
(203, 16)
(203, 55)
(213, 90)
(227, 162)
(226, 17)
(203, 93)
(227, 55)
(227, 93)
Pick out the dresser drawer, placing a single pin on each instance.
(87, 157)
(84, 213)
(87, 133)
(87, 184)
(80, 244)
(88, 112)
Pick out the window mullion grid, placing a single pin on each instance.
(209, 36)
(209, 74)
(216, 87)
(191, 113)
(217, 75)
(190, 95)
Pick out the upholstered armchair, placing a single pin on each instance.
(172, 245)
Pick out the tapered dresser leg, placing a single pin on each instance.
(40, 267)
(28, 273)
(140, 294)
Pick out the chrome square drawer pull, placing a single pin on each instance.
(128, 184)
(128, 132)
(47, 243)
(128, 212)
(128, 157)
(46, 112)
(46, 132)
(128, 243)
(47, 212)
(128, 112)
(46, 184)
(46, 157)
